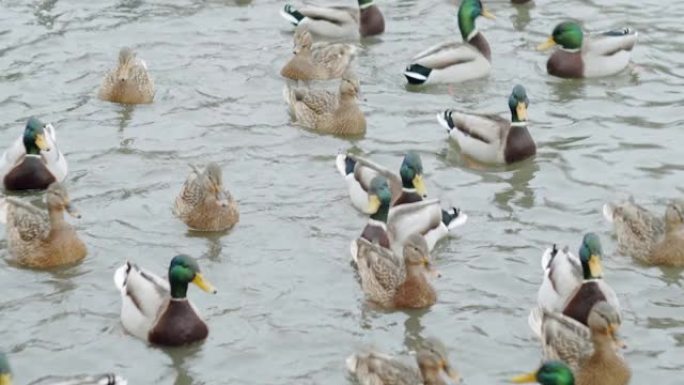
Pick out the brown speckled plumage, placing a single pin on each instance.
(129, 82)
(43, 240)
(321, 61)
(203, 204)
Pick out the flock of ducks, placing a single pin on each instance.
(577, 315)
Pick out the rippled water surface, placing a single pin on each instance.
(289, 309)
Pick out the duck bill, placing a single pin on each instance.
(203, 284)
(73, 211)
(432, 272)
(521, 111)
(595, 267)
(547, 44)
(419, 185)
(41, 142)
(5, 379)
(617, 341)
(525, 378)
(487, 14)
(373, 204)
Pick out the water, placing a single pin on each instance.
(288, 309)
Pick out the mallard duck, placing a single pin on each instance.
(337, 22)
(129, 82)
(33, 161)
(394, 285)
(101, 379)
(41, 240)
(549, 373)
(409, 213)
(328, 113)
(158, 311)
(375, 232)
(320, 61)
(646, 237)
(489, 138)
(454, 62)
(571, 285)
(203, 203)
(589, 351)
(581, 56)
(374, 368)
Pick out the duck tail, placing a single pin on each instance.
(345, 164)
(121, 274)
(445, 120)
(291, 14)
(454, 218)
(417, 74)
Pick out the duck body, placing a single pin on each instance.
(320, 61)
(455, 62)
(328, 113)
(41, 240)
(589, 56)
(129, 82)
(33, 161)
(489, 138)
(204, 204)
(154, 311)
(337, 23)
(98, 379)
(646, 237)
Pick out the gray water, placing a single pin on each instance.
(289, 309)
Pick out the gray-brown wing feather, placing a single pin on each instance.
(379, 369)
(27, 222)
(565, 339)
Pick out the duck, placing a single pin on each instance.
(549, 373)
(158, 311)
(129, 82)
(203, 204)
(320, 61)
(42, 240)
(572, 285)
(33, 161)
(394, 285)
(410, 212)
(591, 352)
(375, 231)
(98, 379)
(588, 56)
(327, 113)
(337, 23)
(489, 138)
(455, 62)
(376, 368)
(646, 237)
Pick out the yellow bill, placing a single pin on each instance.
(42, 143)
(419, 185)
(595, 266)
(547, 44)
(5, 379)
(203, 283)
(525, 378)
(373, 204)
(487, 14)
(521, 111)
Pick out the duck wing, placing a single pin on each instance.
(100, 379)
(562, 277)
(446, 54)
(337, 14)
(565, 339)
(381, 263)
(489, 129)
(374, 368)
(25, 221)
(192, 193)
(610, 42)
(412, 218)
(53, 158)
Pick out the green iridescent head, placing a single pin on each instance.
(379, 198)
(34, 137)
(568, 35)
(5, 371)
(184, 270)
(518, 103)
(411, 173)
(365, 3)
(468, 11)
(550, 373)
(590, 255)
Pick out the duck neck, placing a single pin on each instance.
(603, 344)
(56, 216)
(363, 4)
(381, 214)
(179, 290)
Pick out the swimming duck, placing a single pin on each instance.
(101, 379)
(549, 373)
(337, 22)
(33, 161)
(572, 286)
(394, 285)
(375, 368)
(489, 138)
(41, 240)
(158, 311)
(320, 61)
(409, 213)
(375, 232)
(328, 114)
(129, 82)
(203, 203)
(589, 351)
(454, 62)
(581, 56)
(646, 237)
